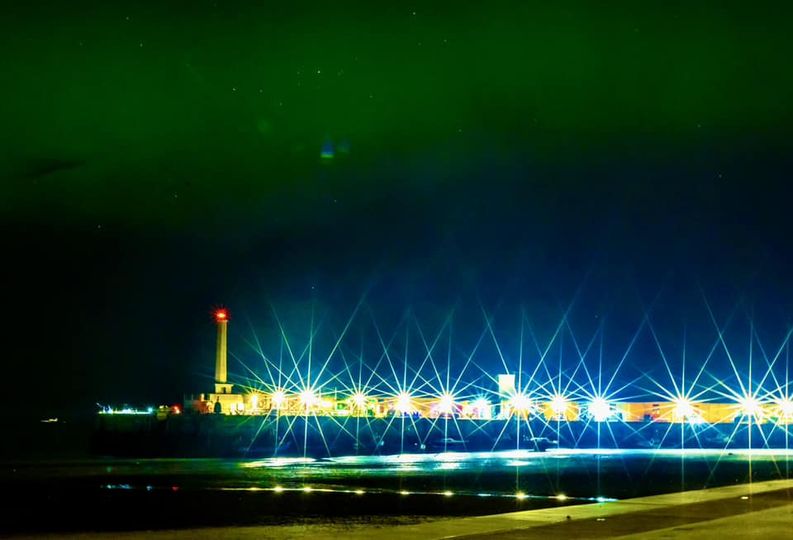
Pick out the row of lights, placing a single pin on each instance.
(599, 408)
(521, 495)
(309, 489)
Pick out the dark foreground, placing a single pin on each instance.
(114, 495)
(754, 510)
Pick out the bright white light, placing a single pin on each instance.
(559, 405)
(278, 489)
(278, 399)
(359, 400)
(481, 404)
(481, 407)
(683, 409)
(446, 404)
(520, 495)
(786, 408)
(561, 497)
(750, 406)
(404, 403)
(520, 402)
(308, 398)
(448, 493)
(600, 409)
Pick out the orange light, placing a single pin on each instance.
(221, 315)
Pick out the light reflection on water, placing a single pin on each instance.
(277, 462)
(580, 474)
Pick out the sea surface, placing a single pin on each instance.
(94, 494)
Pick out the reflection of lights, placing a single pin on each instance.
(446, 403)
(750, 406)
(600, 409)
(278, 399)
(520, 402)
(559, 405)
(308, 398)
(404, 403)
(450, 456)
(275, 462)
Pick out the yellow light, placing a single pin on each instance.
(278, 489)
(359, 492)
(404, 492)
(559, 405)
(561, 497)
(448, 493)
(520, 495)
(307, 489)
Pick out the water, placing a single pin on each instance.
(150, 494)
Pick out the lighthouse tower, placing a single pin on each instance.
(222, 400)
(221, 366)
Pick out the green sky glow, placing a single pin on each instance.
(168, 112)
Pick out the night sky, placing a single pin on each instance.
(159, 159)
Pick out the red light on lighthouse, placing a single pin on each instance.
(221, 315)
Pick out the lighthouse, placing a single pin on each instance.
(223, 400)
(221, 352)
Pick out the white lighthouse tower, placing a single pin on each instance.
(222, 385)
